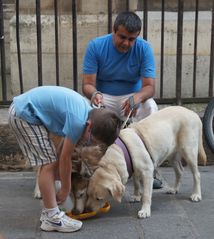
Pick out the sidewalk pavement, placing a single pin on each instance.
(173, 216)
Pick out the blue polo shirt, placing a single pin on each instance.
(61, 110)
(119, 73)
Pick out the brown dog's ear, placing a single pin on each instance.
(92, 154)
(117, 190)
(85, 160)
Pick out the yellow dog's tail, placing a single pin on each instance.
(202, 157)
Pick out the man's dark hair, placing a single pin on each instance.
(105, 125)
(129, 20)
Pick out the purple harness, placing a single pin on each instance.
(127, 156)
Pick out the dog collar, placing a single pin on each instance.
(127, 156)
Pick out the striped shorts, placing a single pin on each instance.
(33, 140)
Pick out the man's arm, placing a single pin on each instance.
(89, 89)
(147, 91)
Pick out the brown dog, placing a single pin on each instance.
(84, 162)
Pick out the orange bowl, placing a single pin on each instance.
(87, 215)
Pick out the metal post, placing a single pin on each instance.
(162, 48)
(18, 48)
(2, 52)
(56, 41)
(211, 56)
(195, 49)
(74, 31)
(145, 19)
(127, 5)
(39, 41)
(179, 52)
(109, 16)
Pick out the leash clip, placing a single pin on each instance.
(132, 107)
(99, 106)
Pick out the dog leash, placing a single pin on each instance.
(132, 107)
(99, 106)
(126, 120)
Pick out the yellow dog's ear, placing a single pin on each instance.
(116, 189)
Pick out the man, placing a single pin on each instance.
(66, 113)
(119, 71)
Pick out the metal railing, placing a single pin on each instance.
(177, 99)
(2, 54)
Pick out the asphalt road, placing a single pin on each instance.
(173, 216)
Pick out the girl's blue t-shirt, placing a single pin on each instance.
(119, 73)
(61, 110)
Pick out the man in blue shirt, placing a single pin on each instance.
(66, 113)
(119, 71)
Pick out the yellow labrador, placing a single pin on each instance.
(170, 133)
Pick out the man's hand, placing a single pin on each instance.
(131, 104)
(97, 99)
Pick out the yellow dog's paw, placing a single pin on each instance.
(37, 194)
(134, 198)
(171, 191)
(195, 197)
(144, 212)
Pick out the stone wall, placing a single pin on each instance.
(100, 6)
(90, 26)
(92, 22)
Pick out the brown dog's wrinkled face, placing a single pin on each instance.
(85, 161)
(79, 191)
(104, 185)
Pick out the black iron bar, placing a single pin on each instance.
(39, 42)
(211, 56)
(145, 19)
(162, 48)
(74, 35)
(18, 48)
(2, 52)
(179, 51)
(195, 49)
(127, 5)
(56, 41)
(109, 16)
